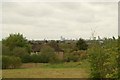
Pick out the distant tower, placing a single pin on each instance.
(62, 38)
(93, 34)
(99, 38)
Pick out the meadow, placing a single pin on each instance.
(46, 70)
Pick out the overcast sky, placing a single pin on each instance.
(50, 20)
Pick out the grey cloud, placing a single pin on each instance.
(52, 20)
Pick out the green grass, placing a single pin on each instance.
(39, 70)
(83, 64)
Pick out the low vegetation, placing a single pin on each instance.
(100, 56)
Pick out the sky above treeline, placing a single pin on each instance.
(51, 20)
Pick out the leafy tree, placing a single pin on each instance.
(6, 50)
(81, 44)
(19, 51)
(47, 54)
(16, 40)
(97, 59)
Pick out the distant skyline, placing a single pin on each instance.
(51, 20)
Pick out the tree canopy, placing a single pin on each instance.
(16, 40)
(81, 44)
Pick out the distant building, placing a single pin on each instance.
(37, 45)
(62, 38)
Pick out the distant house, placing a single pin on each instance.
(37, 45)
(60, 53)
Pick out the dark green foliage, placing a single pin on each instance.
(16, 40)
(47, 54)
(19, 51)
(71, 57)
(36, 58)
(10, 62)
(5, 62)
(26, 58)
(81, 44)
(6, 50)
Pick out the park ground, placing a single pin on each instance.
(47, 70)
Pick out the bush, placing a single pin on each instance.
(35, 58)
(98, 59)
(15, 62)
(26, 58)
(55, 59)
(10, 62)
(71, 57)
(47, 54)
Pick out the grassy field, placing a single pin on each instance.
(39, 70)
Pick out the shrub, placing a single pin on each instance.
(15, 62)
(10, 62)
(47, 54)
(71, 57)
(26, 58)
(36, 58)
(97, 59)
(55, 59)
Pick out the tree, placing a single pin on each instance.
(16, 40)
(6, 50)
(97, 59)
(81, 44)
(47, 54)
(19, 51)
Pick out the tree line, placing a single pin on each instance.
(17, 47)
(104, 58)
